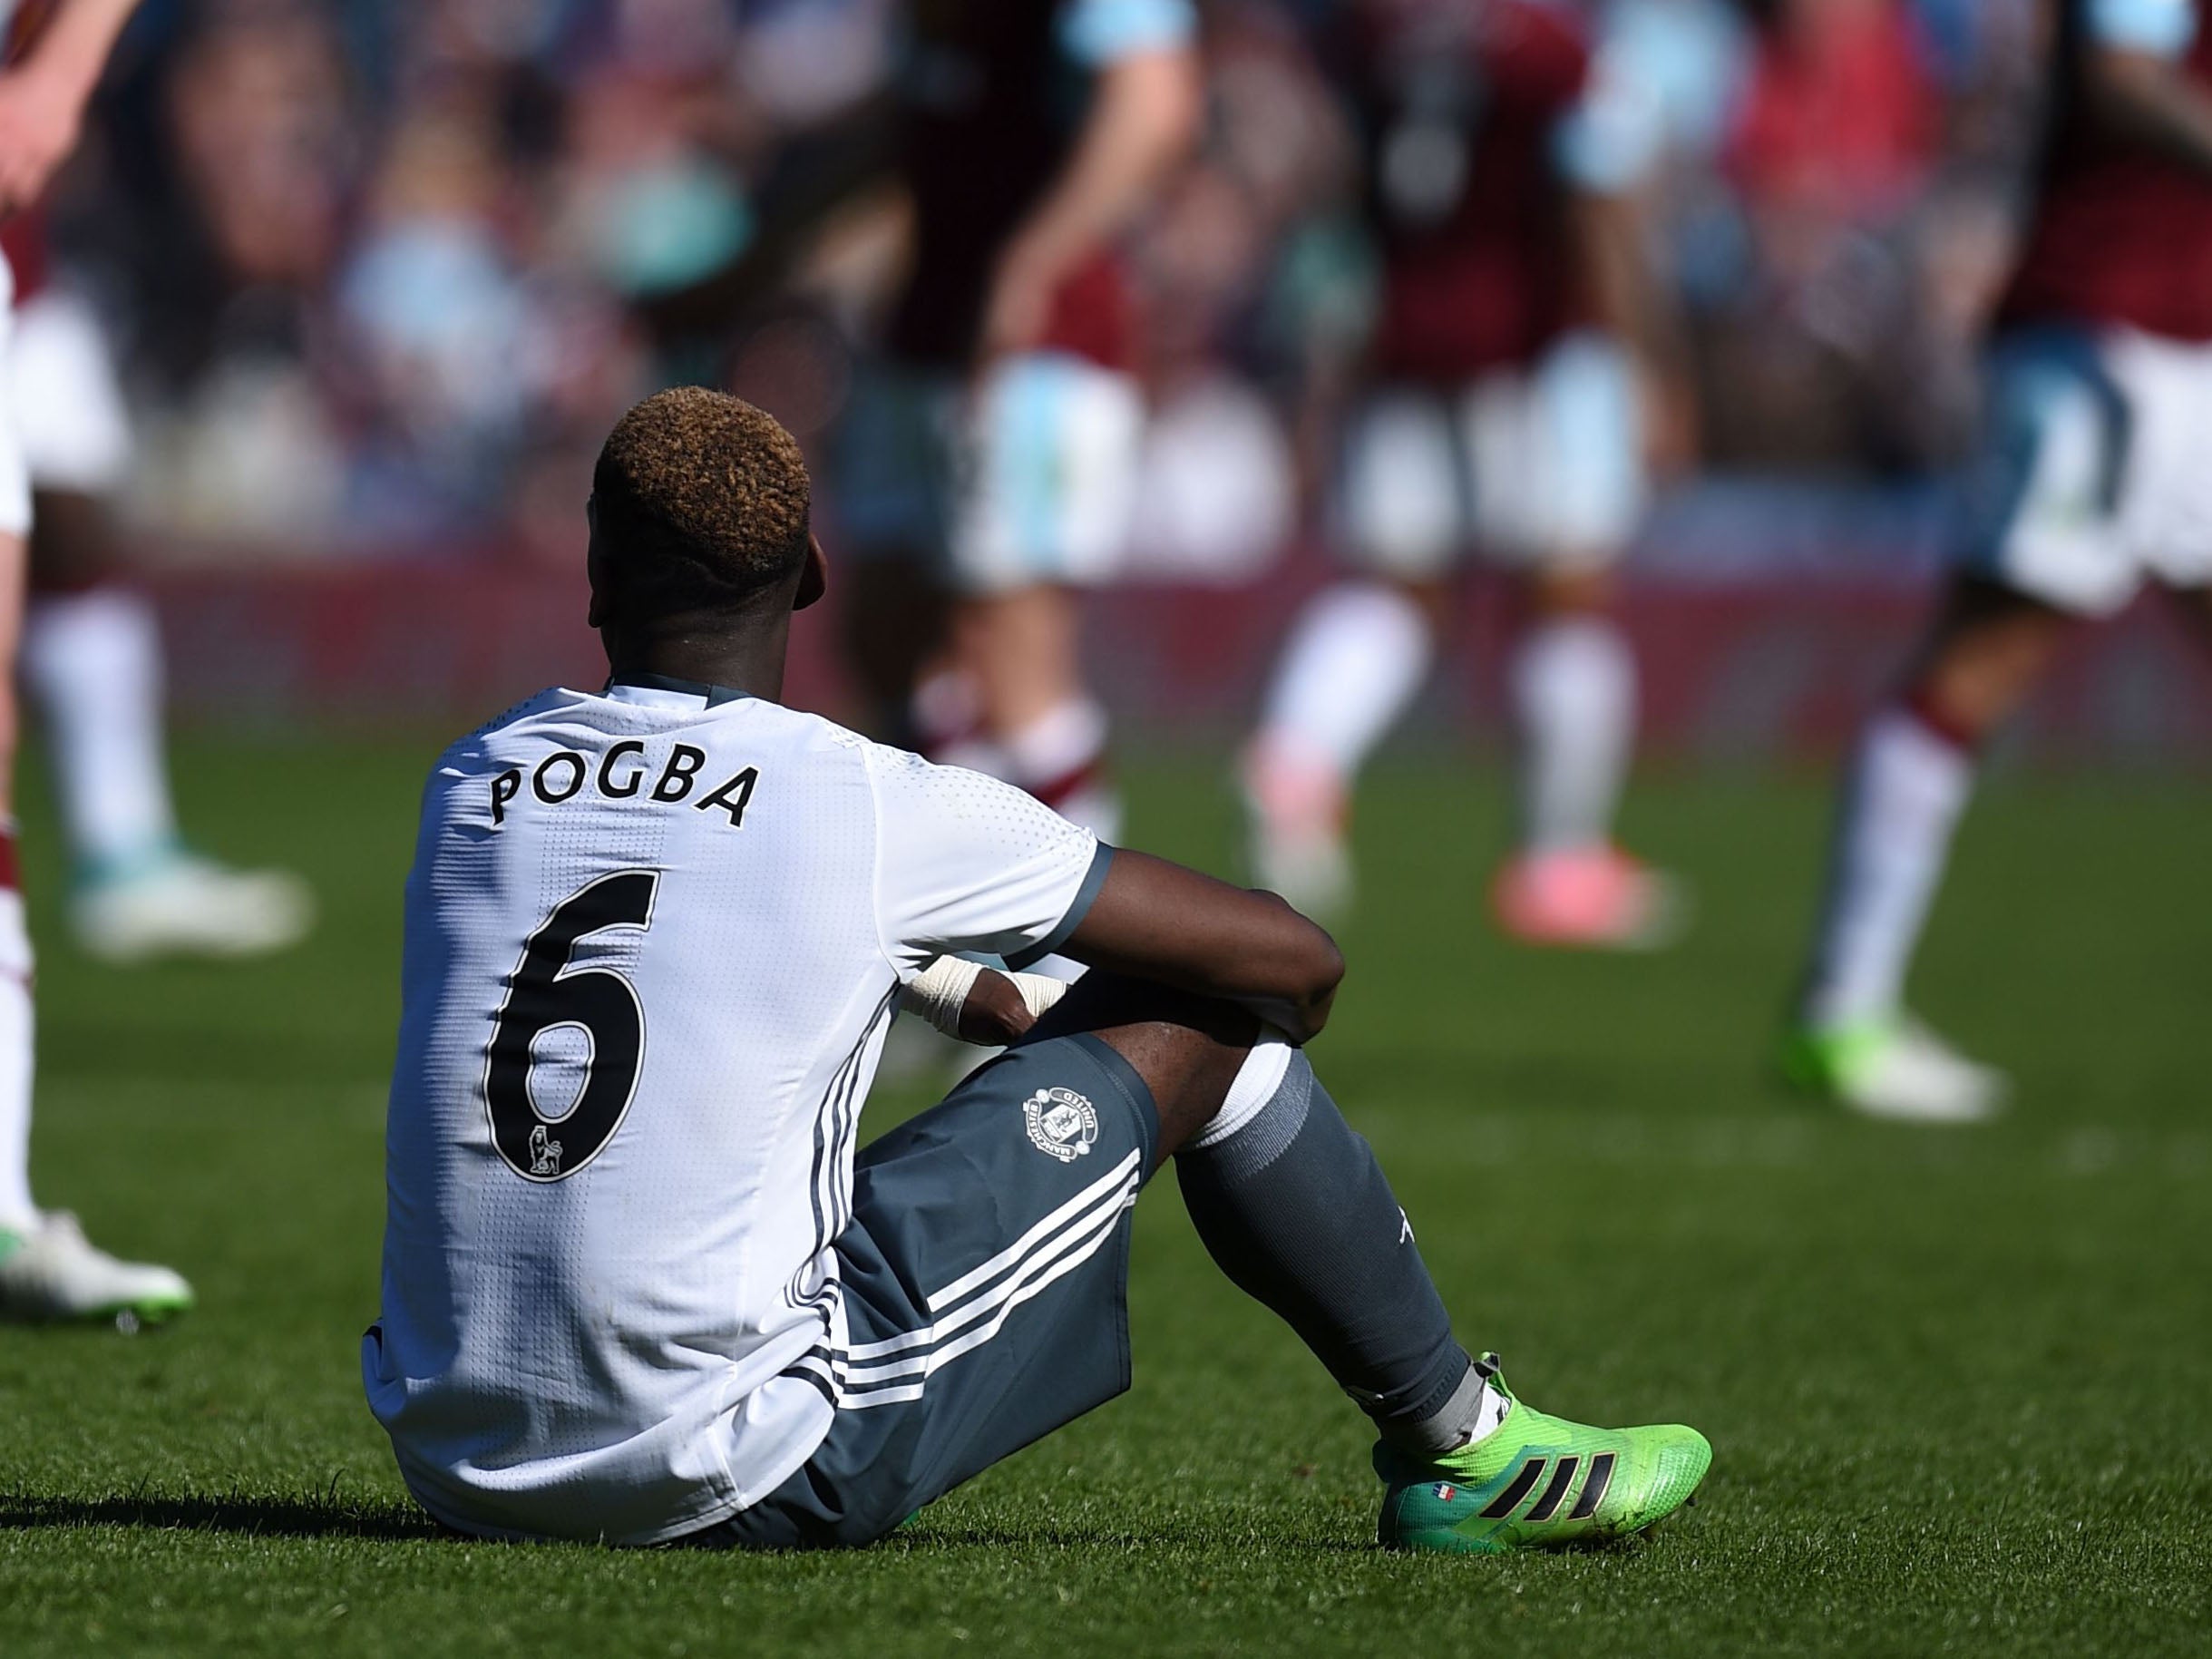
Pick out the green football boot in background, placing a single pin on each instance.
(1894, 1069)
(1535, 1482)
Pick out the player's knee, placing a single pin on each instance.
(1986, 655)
(71, 545)
(2197, 605)
(1567, 588)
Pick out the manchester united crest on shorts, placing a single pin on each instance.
(1061, 1123)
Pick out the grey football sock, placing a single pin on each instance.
(1293, 1208)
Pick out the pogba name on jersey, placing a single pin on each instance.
(624, 772)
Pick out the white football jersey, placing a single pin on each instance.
(654, 940)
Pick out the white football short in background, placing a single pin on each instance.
(1045, 478)
(1541, 465)
(2092, 479)
(67, 397)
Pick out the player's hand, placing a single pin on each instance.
(38, 128)
(995, 1013)
(978, 1004)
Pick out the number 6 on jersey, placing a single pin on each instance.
(545, 993)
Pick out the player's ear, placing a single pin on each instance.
(597, 616)
(814, 576)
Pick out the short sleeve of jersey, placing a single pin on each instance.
(967, 863)
(1097, 32)
(2163, 28)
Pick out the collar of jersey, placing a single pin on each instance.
(716, 696)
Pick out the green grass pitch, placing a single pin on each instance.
(1960, 1382)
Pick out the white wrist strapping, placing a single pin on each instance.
(939, 992)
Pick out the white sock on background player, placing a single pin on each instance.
(17, 1213)
(1572, 681)
(48, 1268)
(94, 662)
(1908, 787)
(1354, 661)
(1353, 664)
(1060, 758)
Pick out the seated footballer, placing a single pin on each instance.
(640, 1284)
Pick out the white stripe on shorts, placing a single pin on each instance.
(1056, 1245)
(1042, 1275)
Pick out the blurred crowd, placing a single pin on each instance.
(380, 275)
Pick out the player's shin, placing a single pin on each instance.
(1352, 666)
(93, 661)
(1909, 784)
(1293, 1208)
(1573, 688)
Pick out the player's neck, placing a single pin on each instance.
(751, 665)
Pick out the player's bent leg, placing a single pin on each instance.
(1295, 1208)
(986, 1271)
(1853, 1040)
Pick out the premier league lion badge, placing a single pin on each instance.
(1061, 1122)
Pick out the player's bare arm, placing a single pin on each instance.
(43, 98)
(1157, 921)
(1142, 121)
(1153, 919)
(1613, 232)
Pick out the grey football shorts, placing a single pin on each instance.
(985, 1277)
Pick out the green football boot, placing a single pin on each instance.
(1536, 1482)
(50, 1271)
(1894, 1069)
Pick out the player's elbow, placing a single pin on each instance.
(1311, 967)
(1325, 968)
(2123, 91)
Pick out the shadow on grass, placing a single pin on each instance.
(336, 1518)
(924, 1541)
(297, 1518)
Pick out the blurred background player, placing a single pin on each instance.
(1033, 136)
(1522, 367)
(2093, 483)
(92, 659)
(48, 1270)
